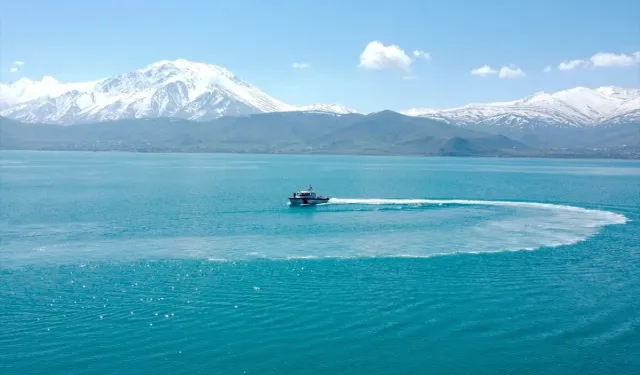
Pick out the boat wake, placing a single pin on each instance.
(597, 217)
(346, 229)
(474, 226)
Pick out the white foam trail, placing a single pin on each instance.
(606, 217)
(401, 234)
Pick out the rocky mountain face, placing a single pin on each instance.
(577, 107)
(180, 89)
(197, 91)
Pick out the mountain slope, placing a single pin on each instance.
(577, 107)
(327, 108)
(198, 91)
(26, 89)
(180, 89)
(286, 132)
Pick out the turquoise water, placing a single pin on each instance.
(116, 263)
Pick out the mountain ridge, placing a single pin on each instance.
(178, 88)
(576, 107)
(380, 133)
(199, 91)
(383, 133)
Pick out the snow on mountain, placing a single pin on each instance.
(579, 106)
(327, 108)
(199, 91)
(420, 111)
(627, 112)
(25, 89)
(177, 88)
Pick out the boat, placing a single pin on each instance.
(307, 198)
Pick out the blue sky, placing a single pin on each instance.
(77, 40)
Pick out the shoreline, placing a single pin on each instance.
(577, 156)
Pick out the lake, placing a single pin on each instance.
(115, 263)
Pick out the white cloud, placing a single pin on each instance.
(608, 59)
(378, 56)
(16, 66)
(603, 60)
(568, 65)
(300, 65)
(483, 71)
(422, 54)
(547, 69)
(505, 72)
(510, 72)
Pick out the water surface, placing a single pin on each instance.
(166, 263)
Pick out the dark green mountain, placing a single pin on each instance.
(384, 133)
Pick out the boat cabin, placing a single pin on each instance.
(309, 193)
(304, 194)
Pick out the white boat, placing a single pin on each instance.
(307, 198)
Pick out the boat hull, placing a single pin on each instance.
(307, 201)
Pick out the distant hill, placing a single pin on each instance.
(385, 133)
(614, 137)
(381, 133)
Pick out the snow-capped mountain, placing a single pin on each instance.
(199, 91)
(575, 107)
(25, 89)
(327, 108)
(179, 88)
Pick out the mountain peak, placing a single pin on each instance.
(167, 88)
(419, 111)
(578, 106)
(619, 92)
(579, 89)
(386, 113)
(199, 68)
(327, 108)
(49, 80)
(198, 91)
